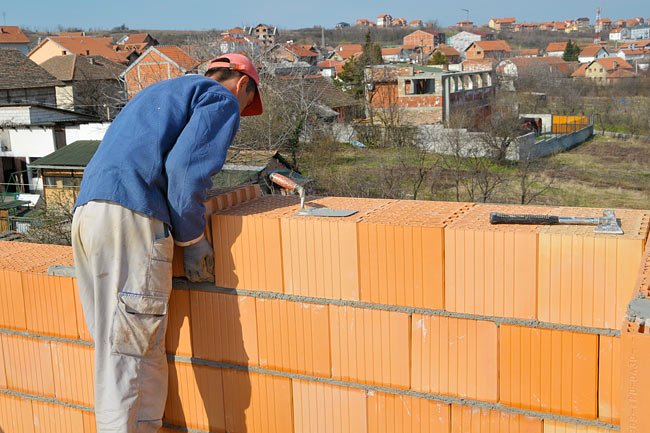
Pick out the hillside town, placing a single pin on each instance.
(387, 224)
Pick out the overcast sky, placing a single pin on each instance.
(221, 14)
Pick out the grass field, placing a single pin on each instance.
(603, 172)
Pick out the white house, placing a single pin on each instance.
(593, 52)
(619, 34)
(394, 55)
(13, 37)
(462, 40)
(642, 32)
(634, 54)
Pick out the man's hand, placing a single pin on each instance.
(199, 261)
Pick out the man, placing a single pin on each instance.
(144, 190)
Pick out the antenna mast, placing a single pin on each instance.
(467, 11)
(597, 27)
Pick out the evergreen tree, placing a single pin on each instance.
(351, 79)
(438, 58)
(371, 52)
(571, 52)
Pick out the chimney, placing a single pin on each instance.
(615, 64)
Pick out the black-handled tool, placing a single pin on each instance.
(605, 224)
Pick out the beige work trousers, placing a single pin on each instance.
(123, 265)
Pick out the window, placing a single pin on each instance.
(423, 86)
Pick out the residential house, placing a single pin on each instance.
(494, 49)
(526, 27)
(641, 32)
(425, 40)
(362, 22)
(91, 84)
(605, 24)
(343, 52)
(634, 55)
(342, 25)
(62, 170)
(415, 23)
(451, 53)
(156, 64)
(583, 22)
(637, 44)
(631, 23)
(619, 34)
(462, 40)
(235, 43)
(384, 20)
(265, 34)
(547, 25)
(24, 82)
(487, 64)
(559, 27)
(592, 52)
(330, 68)
(620, 23)
(426, 94)
(399, 22)
(53, 46)
(394, 55)
(465, 25)
(293, 53)
(13, 37)
(502, 24)
(555, 49)
(138, 39)
(606, 70)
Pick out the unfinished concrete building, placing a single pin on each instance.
(421, 95)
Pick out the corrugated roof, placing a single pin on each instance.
(76, 154)
(18, 72)
(12, 35)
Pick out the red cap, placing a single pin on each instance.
(243, 64)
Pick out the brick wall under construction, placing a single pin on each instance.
(407, 316)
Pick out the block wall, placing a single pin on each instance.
(405, 317)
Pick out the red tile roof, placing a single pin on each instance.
(532, 64)
(12, 35)
(580, 72)
(86, 45)
(338, 66)
(390, 51)
(177, 55)
(493, 45)
(348, 50)
(300, 50)
(622, 73)
(27, 257)
(590, 50)
(504, 20)
(447, 50)
(612, 63)
(137, 38)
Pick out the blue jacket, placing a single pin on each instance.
(160, 152)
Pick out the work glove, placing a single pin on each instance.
(199, 261)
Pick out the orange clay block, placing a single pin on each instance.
(28, 365)
(3, 375)
(635, 382)
(454, 357)
(491, 269)
(370, 346)
(89, 422)
(549, 370)
(609, 379)
(12, 306)
(551, 426)
(466, 419)
(223, 327)
(587, 279)
(320, 254)
(401, 253)
(73, 367)
(406, 414)
(16, 415)
(217, 199)
(49, 417)
(50, 305)
(195, 398)
(178, 339)
(248, 246)
(323, 408)
(293, 337)
(82, 328)
(34, 258)
(257, 403)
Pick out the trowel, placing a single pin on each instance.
(605, 224)
(289, 184)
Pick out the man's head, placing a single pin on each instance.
(237, 74)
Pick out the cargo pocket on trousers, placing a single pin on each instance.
(142, 311)
(137, 322)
